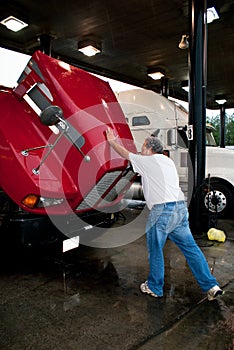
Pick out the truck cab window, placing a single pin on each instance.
(140, 120)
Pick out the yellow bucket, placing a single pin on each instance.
(216, 235)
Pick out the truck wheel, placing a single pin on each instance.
(220, 199)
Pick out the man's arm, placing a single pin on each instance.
(122, 151)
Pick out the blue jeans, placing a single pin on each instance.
(170, 220)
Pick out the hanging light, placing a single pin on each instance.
(184, 43)
(221, 101)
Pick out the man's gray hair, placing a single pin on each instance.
(154, 143)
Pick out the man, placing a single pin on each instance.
(168, 217)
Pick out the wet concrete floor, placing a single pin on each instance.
(89, 298)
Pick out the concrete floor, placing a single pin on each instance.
(89, 298)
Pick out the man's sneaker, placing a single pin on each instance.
(145, 289)
(214, 292)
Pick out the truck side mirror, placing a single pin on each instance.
(171, 137)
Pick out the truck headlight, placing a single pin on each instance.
(33, 201)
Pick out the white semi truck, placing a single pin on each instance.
(150, 113)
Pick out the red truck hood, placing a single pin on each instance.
(28, 166)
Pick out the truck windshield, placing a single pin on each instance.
(183, 141)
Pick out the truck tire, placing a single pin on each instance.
(219, 200)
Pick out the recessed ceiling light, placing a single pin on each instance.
(186, 88)
(89, 47)
(14, 23)
(89, 50)
(155, 75)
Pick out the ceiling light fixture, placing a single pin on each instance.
(185, 85)
(155, 74)
(89, 48)
(186, 88)
(211, 15)
(13, 23)
(221, 101)
(184, 43)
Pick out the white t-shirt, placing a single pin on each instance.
(160, 179)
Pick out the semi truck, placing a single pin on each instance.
(55, 163)
(149, 113)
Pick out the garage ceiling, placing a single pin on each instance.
(135, 35)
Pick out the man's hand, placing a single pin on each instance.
(110, 134)
(111, 138)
